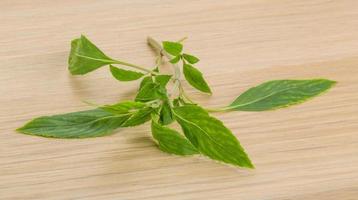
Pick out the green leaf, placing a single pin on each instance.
(190, 58)
(210, 136)
(166, 114)
(173, 48)
(139, 117)
(145, 80)
(171, 141)
(85, 57)
(125, 75)
(123, 107)
(280, 93)
(175, 59)
(195, 78)
(163, 79)
(151, 91)
(83, 124)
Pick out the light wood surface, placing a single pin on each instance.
(309, 151)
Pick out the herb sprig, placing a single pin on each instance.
(201, 132)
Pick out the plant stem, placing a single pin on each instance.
(182, 40)
(135, 66)
(159, 49)
(224, 109)
(158, 62)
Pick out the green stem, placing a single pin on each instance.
(224, 109)
(135, 66)
(182, 40)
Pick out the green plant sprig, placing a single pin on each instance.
(200, 132)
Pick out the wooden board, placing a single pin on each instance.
(309, 151)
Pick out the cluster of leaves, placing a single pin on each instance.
(192, 74)
(201, 133)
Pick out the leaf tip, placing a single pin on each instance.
(250, 165)
(333, 82)
(329, 84)
(22, 130)
(246, 163)
(19, 130)
(207, 90)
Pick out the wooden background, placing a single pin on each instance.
(309, 151)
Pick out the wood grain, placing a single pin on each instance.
(308, 151)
